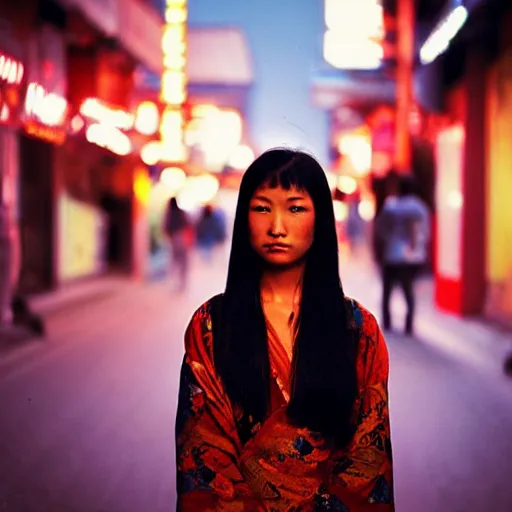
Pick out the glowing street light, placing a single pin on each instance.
(440, 38)
(151, 153)
(147, 118)
(347, 185)
(354, 35)
(174, 79)
(241, 157)
(173, 178)
(109, 137)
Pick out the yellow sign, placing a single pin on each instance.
(174, 46)
(81, 239)
(174, 80)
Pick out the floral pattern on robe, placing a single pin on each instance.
(281, 467)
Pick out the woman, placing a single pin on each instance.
(178, 229)
(283, 393)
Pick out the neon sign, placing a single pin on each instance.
(12, 73)
(174, 80)
(48, 108)
(439, 40)
(355, 33)
(109, 137)
(100, 112)
(174, 49)
(11, 70)
(105, 126)
(147, 118)
(45, 114)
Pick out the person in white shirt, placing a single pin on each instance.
(403, 229)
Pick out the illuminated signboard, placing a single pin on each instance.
(105, 125)
(12, 73)
(49, 109)
(355, 34)
(109, 137)
(440, 38)
(112, 127)
(11, 70)
(174, 81)
(45, 106)
(45, 114)
(449, 201)
(147, 118)
(99, 111)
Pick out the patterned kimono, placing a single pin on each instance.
(281, 467)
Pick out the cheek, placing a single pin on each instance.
(256, 226)
(305, 230)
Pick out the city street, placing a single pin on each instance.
(87, 416)
(134, 131)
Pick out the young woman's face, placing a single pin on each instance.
(281, 224)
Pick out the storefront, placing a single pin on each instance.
(43, 120)
(473, 167)
(12, 72)
(101, 168)
(499, 181)
(94, 203)
(95, 166)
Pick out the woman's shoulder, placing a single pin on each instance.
(359, 317)
(200, 328)
(207, 306)
(363, 321)
(203, 314)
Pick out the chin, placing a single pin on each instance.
(281, 260)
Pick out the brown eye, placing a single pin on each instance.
(297, 209)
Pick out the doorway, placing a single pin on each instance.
(36, 216)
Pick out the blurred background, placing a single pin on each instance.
(125, 129)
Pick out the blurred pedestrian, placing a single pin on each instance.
(210, 231)
(383, 188)
(179, 230)
(354, 226)
(403, 231)
(508, 366)
(283, 393)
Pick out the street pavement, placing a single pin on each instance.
(87, 416)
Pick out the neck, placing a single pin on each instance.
(280, 285)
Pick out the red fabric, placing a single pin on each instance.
(281, 468)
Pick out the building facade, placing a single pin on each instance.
(473, 166)
(68, 146)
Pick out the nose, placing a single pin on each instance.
(277, 228)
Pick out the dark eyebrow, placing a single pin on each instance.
(262, 198)
(289, 199)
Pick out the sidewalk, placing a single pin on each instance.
(78, 293)
(12, 336)
(470, 339)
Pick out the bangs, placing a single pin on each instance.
(288, 177)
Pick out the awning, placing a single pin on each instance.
(218, 56)
(136, 25)
(331, 91)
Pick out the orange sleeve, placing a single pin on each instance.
(361, 476)
(207, 443)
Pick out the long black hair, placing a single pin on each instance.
(324, 383)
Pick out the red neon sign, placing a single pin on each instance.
(12, 73)
(11, 70)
